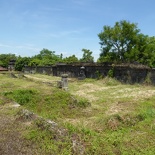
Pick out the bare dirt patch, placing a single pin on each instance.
(12, 141)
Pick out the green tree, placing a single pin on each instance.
(45, 58)
(5, 59)
(144, 51)
(35, 62)
(21, 63)
(116, 41)
(71, 59)
(136, 53)
(147, 55)
(87, 56)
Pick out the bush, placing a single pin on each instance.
(99, 75)
(83, 103)
(111, 73)
(23, 96)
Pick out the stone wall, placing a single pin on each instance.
(39, 69)
(124, 73)
(152, 76)
(131, 75)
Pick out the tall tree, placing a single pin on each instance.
(147, 54)
(116, 41)
(87, 56)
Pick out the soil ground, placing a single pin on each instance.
(12, 141)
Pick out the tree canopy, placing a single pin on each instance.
(124, 43)
(71, 59)
(116, 41)
(5, 58)
(45, 58)
(21, 62)
(87, 56)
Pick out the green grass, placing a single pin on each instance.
(107, 117)
(49, 143)
(58, 104)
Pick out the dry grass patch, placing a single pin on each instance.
(121, 107)
(134, 93)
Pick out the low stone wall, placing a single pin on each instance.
(131, 75)
(124, 73)
(39, 69)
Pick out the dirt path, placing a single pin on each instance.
(12, 141)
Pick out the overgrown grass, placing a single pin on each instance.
(58, 104)
(23, 96)
(48, 142)
(107, 117)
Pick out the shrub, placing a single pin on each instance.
(22, 96)
(111, 73)
(63, 98)
(99, 75)
(148, 79)
(83, 103)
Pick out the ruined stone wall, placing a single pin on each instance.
(131, 75)
(44, 70)
(124, 74)
(39, 69)
(151, 75)
(29, 69)
(72, 71)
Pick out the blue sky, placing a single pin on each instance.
(66, 26)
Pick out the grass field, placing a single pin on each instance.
(100, 117)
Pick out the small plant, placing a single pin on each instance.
(83, 103)
(148, 79)
(99, 75)
(147, 113)
(113, 122)
(111, 73)
(111, 81)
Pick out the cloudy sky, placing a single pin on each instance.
(66, 26)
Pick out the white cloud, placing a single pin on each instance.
(29, 47)
(23, 50)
